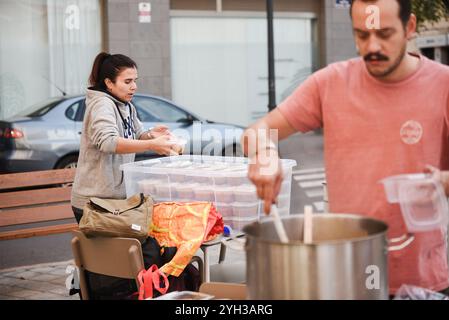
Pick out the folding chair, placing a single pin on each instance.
(116, 257)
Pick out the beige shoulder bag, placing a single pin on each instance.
(130, 218)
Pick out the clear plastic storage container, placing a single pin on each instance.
(221, 180)
(239, 223)
(424, 205)
(392, 184)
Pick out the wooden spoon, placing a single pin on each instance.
(278, 224)
(308, 224)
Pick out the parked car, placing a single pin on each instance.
(47, 136)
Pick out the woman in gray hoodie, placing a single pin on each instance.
(112, 133)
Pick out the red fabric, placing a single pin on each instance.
(184, 226)
(215, 225)
(148, 279)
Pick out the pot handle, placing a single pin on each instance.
(406, 240)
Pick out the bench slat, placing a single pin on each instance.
(36, 214)
(36, 178)
(33, 197)
(36, 232)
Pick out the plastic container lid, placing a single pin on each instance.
(424, 205)
(186, 164)
(392, 184)
(178, 140)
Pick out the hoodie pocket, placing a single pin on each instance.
(120, 179)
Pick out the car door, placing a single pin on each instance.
(152, 111)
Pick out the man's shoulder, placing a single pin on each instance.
(436, 67)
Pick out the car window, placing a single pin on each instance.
(81, 110)
(144, 115)
(73, 110)
(40, 109)
(154, 110)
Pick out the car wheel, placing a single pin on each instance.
(233, 151)
(68, 162)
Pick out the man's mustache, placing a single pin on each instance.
(375, 57)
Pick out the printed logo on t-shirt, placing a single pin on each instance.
(411, 132)
(128, 128)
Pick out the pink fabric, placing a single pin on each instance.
(373, 130)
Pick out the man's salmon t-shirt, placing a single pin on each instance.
(373, 130)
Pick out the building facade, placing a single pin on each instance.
(211, 55)
(433, 41)
(207, 55)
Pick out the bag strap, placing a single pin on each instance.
(148, 279)
(119, 206)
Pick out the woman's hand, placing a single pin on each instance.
(159, 130)
(162, 145)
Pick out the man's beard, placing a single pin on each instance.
(390, 69)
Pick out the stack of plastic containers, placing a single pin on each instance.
(221, 180)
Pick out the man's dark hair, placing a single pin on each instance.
(405, 9)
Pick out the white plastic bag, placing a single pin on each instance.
(408, 292)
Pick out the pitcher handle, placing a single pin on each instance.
(406, 240)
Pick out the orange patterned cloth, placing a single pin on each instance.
(184, 226)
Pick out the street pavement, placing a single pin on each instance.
(47, 281)
(36, 282)
(35, 268)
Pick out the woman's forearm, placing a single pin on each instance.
(125, 146)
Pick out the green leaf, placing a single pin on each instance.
(430, 10)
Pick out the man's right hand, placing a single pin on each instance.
(265, 171)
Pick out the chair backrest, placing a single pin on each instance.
(116, 257)
(222, 290)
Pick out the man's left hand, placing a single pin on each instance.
(441, 176)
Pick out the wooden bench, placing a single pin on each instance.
(33, 197)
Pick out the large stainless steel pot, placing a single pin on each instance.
(347, 259)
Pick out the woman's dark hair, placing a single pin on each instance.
(108, 66)
(405, 9)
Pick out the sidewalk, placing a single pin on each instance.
(37, 282)
(46, 281)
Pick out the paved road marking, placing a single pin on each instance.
(311, 184)
(303, 171)
(315, 193)
(304, 177)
